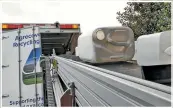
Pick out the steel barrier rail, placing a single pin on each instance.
(127, 77)
(99, 87)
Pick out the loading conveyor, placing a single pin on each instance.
(94, 86)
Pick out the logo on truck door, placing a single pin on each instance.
(32, 59)
(30, 65)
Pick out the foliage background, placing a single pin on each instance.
(146, 17)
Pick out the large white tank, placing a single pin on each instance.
(154, 49)
(107, 44)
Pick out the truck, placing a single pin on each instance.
(54, 65)
(22, 46)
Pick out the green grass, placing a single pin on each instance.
(30, 81)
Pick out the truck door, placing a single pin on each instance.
(10, 75)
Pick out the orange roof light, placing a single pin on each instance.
(75, 26)
(11, 26)
(4, 26)
(69, 26)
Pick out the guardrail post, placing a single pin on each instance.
(68, 98)
(72, 87)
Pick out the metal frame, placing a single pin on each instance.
(19, 66)
(58, 30)
(99, 87)
(45, 63)
(62, 98)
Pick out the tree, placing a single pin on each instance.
(146, 17)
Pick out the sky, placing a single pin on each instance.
(89, 13)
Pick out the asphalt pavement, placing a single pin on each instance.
(128, 68)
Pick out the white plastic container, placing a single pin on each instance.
(76, 50)
(154, 49)
(108, 44)
(134, 57)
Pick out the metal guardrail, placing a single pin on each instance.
(100, 87)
